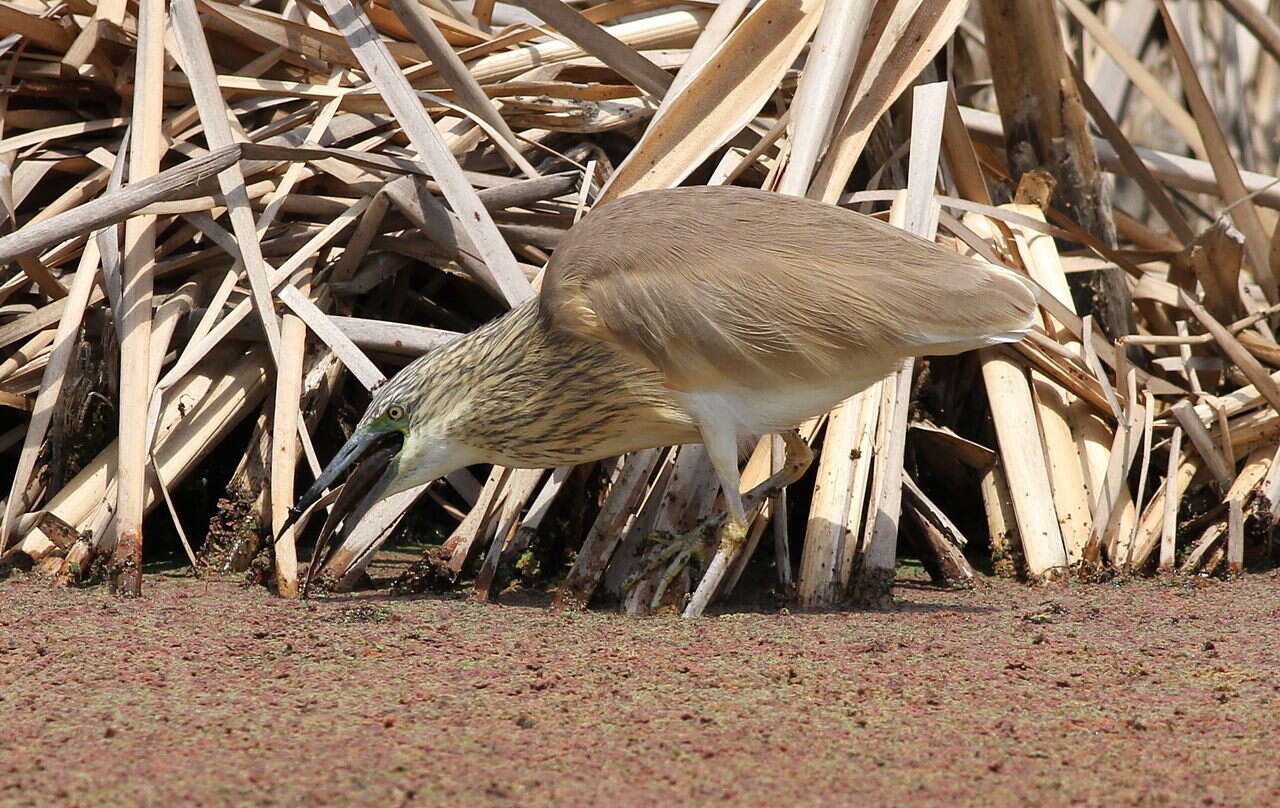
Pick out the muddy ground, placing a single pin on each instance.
(204, 693)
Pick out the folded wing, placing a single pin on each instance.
(725, 286)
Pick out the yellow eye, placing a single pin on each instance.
(395, 412)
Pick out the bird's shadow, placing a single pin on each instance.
(381, 593)
(899, 606)
(541, 601)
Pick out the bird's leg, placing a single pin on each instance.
(798, 458)
(733, 533)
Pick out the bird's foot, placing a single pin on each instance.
(665, 560)
(733, 535)
(669, 557)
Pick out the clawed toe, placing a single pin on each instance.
(667, 557)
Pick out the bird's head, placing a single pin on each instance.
(401, 441)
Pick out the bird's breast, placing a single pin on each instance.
(770, 408)
(588, 436)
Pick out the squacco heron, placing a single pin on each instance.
(709, 315)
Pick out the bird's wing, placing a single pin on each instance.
(730, 286)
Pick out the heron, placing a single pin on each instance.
(709, 315)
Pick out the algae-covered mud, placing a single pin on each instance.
(1145, 693)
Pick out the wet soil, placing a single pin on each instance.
(204, 693)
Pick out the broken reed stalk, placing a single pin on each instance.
(943, 542)
(520, 489)
(1022, 456)
(285, 423)
(145, 150)
(1046, 128)
(829, 527)
(1077, 442)
(1169, 524)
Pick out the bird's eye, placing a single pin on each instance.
(395, 412)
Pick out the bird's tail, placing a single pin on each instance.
(1009, 312)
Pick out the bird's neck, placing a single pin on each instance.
(524, 394)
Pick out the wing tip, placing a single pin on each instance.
(1027, 306)
(1009, 313)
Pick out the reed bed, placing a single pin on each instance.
(224, 223)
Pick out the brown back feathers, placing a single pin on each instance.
(726, 286)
